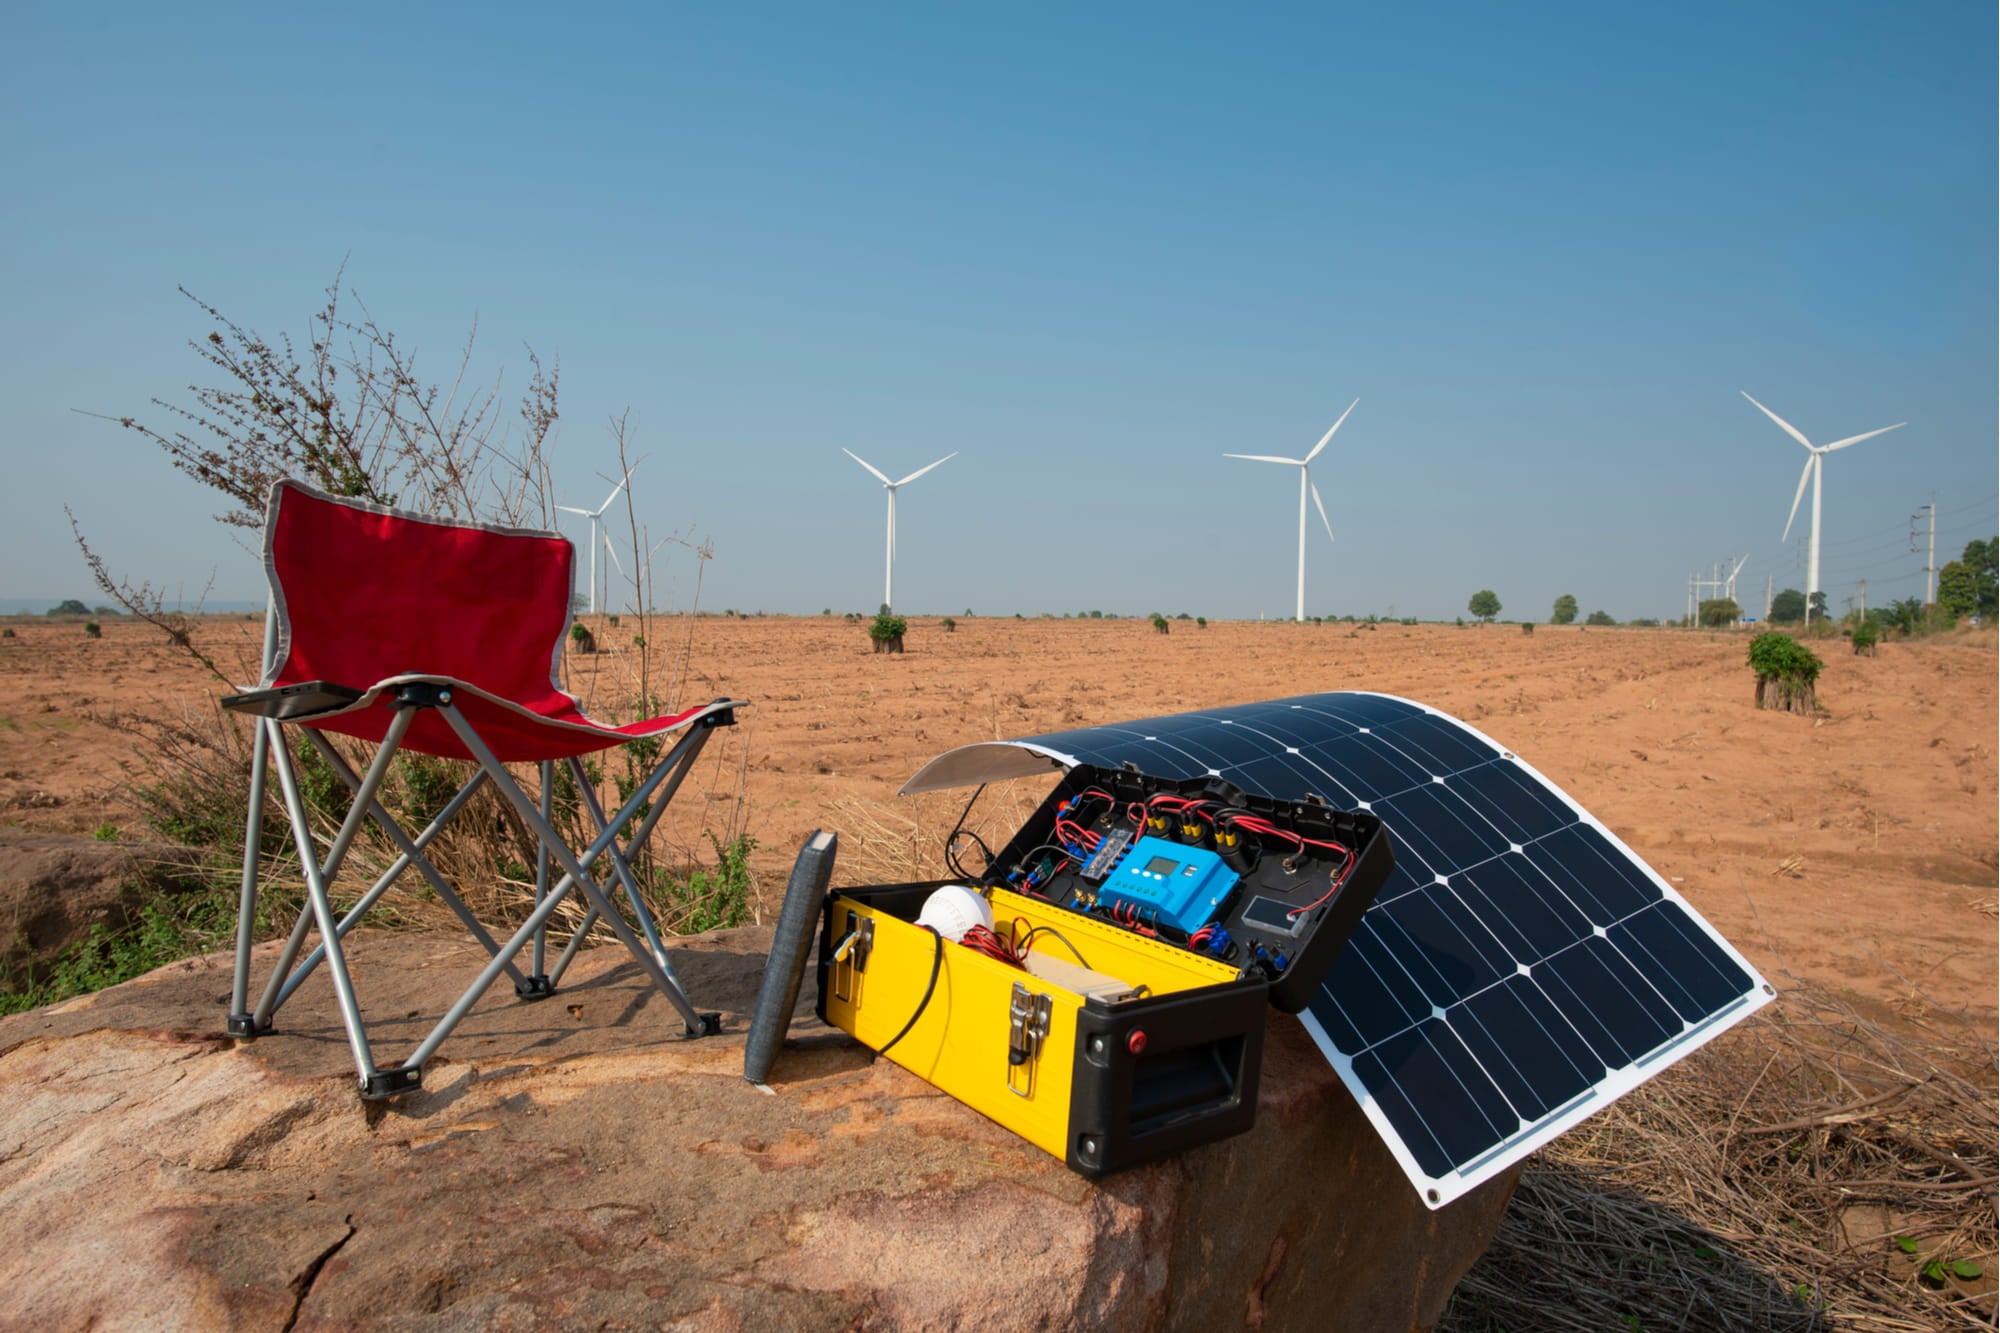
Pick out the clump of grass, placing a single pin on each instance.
(1770, 1182)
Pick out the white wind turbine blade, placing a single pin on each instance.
(1804, 477)
(619, 487)
(920, 471)
(1856, 439)
(1266, 458)
(1329, 434)
(873, 470)
(612, 551)
(1787, 426)
(572, 509)
(1322, 511)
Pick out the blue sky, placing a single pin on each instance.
(1092, 249)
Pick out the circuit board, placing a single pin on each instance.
(1267, 886)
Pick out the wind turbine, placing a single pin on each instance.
(1815, 464)
(1304, 465)
(597, 533)
(889, 567)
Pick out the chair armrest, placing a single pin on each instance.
(293, 701)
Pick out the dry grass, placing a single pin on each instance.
(1763, 1185)
(904, 842)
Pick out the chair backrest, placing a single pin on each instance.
(364, 592)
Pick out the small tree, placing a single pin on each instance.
(948, 625)
(1599, 618)
(1485, 604)
(69, 607)
(1719, 612)
(887, 631)
(92, 630)
(1160, 625)
(1788, 607)
(1958, 590)
(581, 640)
(1201, 622)
(1786, 670)
(1564, 612)
(1864, 635)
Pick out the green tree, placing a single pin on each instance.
(1485, 604)
(1906, 615)
(70, 607)
(1958, 590)
(1788, 607)
(1564, 612)
(1599, 618)
(1718, 612)
(1983, 559)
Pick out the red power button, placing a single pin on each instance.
(1136, 1043)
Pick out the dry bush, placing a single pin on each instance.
(347, 411)
(1799, 1174)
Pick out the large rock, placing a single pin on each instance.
(576, 1163)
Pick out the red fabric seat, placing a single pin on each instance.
(371, 598)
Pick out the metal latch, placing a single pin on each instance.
(1027, 1026)
(850, 957)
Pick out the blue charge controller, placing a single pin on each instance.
(1171, 882)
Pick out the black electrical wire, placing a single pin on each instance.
(959, 829)
(937, 962)
(1028, 942)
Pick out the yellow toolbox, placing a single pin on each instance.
(1115, 1010)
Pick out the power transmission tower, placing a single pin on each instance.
(1929, 513)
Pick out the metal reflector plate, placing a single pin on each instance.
(1521, 967)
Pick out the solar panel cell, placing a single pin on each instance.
(1523, 1042)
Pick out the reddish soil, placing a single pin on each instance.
(1856, 849)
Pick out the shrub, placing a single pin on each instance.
(1599, 618)
(1159, 623)
(948, 625)
(1200, 622)
(1786, 670)
(581, 639)
(92, 630)
(887, 631)
(1865, 634)
(1717, 612)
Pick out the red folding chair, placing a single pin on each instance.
(441, 638)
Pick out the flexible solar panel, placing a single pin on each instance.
(1520, 969)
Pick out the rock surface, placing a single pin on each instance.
(576, 1163)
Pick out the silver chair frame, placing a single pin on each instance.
(269, 751)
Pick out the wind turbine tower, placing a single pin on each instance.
(1304, 465)
(598, 536)
(889, 562)
(1815, 464)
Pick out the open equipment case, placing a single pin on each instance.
(1115, 1010)
(1510, 969)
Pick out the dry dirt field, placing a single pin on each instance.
(1856, 850)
